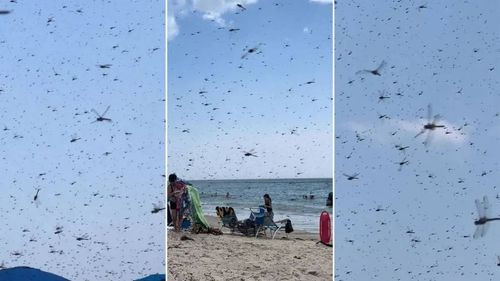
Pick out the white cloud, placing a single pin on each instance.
(322, 1)
(172, 28)
(212, 10)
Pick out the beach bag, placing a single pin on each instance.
(186, 224)
(288, 226)
(249, 223)
(246, 227)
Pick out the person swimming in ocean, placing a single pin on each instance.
(329, 201)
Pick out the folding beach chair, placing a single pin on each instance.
(227, 218)
(275, 227)
(258, 216)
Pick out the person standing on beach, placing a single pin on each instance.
(174, 195)
(268, 204)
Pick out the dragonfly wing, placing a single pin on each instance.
(485, 229)
(479, 230)
(421, 132)
(437, 117)
(479, 207)
(486, 206)
(37, 202)
(106, 111)
(382, 65)
(362, 71)
(429, 112)
(428, 139)
(93, 110)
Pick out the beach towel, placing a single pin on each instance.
(196, 210)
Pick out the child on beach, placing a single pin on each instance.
(175, 190)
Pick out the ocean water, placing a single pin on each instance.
(286, 194)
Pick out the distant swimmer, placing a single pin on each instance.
(329, 201)
(227, 195)
(311, 196)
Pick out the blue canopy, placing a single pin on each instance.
(24, 273)
(154, 277)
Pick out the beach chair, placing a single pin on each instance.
(266, 222)
(274, 227)
(227, 218)
(258, 215)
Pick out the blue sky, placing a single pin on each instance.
(224, 101)
(441, 53)
(105, 183)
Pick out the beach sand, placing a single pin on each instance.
(235, 257)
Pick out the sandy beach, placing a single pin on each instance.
(235, 257)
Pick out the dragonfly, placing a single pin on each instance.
(59, 230)
(351, 177)
(430, 126)
(36, 195)
(74, 138)
(83, 237)
(250, 153)
(250, 51)
(36, 199)
(483, 210)
(402, 163)
(157, 208)
(373, 71)
(100, 117)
